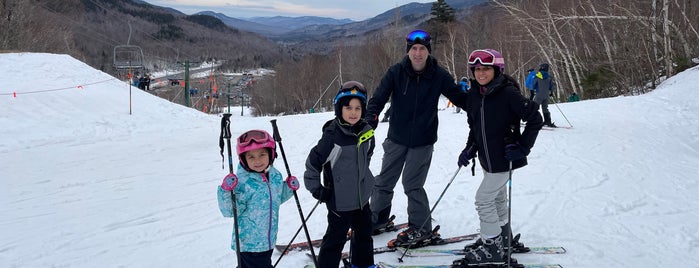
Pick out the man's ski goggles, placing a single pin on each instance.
(484, 57)
(255, 136)
(418, 34)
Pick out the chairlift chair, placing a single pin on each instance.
(128, 57)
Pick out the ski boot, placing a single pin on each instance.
(517, 246)
(489, 254)
(547, 121)
(389, 226)
(412, 238)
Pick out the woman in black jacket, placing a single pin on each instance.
(495, 108)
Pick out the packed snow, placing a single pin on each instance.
(84, 183)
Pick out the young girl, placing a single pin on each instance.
(495, 107)
(259, 191)
(342, 155)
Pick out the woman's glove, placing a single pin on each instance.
(466, 155)
(515, 151)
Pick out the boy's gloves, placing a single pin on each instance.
(292, 182)
(466, 155)
(515, 151)
(229, 182)
(323, 194)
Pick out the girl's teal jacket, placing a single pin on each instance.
(258, 200)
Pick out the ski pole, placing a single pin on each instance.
(278, 139)
(559, 109)
(226, 134)
(509, 218)
(431, 210)
(286, 249)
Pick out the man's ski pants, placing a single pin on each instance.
(414, 164)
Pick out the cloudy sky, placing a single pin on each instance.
(354, 9)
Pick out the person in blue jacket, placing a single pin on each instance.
(259, 191)
(342, 156)
(494, 110)
(465, 88)
(529, 83)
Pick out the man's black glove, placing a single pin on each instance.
(466, 155)
(514, 151)
(323, 194)
(373, 120)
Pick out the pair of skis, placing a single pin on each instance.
(390, 227)
(388, 265)
(432, 252)
(420, 250)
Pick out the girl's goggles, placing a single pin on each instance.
(484, 57)
(255, 136)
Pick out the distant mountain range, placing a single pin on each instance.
(310, 28)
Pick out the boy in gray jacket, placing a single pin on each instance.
(342, 155)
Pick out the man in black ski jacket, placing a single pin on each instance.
(414, 86)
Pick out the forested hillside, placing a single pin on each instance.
(90, 29)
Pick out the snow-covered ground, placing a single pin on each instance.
(85, 184)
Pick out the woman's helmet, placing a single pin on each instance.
(255, 139)
(487, 57)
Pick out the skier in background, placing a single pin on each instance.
(545, 86)
(464, 87)
(573, 97)
(259, 191)
(529, 83)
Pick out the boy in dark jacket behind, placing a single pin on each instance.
(342, 155)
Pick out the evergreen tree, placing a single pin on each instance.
(442, 12)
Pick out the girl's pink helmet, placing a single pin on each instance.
(255, 139)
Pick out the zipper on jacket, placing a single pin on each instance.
(483, 135)
(416, 104)
(405, 89)
(361, 139)
(271, 212)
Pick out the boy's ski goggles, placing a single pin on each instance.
(484, 57)
(255, 136)
(418, 34)
(351, 89)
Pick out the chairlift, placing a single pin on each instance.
(128, 57)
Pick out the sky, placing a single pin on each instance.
(84, 183)
(266, 8)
